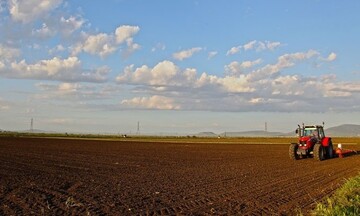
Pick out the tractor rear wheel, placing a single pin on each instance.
(319, 152)
(293, 151)
(330, 151)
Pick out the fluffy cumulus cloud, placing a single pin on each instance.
(184, 54)
(153, 102)
(61, 42)
(101, 44)
(163, 74)
(104, 44)
(29, 10)
(68, 69)
(43, 41)
(167, 74)
(236, 67)
(242, 88)
(125, 32)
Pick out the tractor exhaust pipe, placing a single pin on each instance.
(298, 131)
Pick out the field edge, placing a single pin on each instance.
(345, 200)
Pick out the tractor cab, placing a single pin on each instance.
(313, 134)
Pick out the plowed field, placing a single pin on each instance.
(84, 177)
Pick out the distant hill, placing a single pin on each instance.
(241, 134)
(252, 134)
(36, 131)
(350, 130)
(346, 130)
(206, 134)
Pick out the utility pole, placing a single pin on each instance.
(32, 125)
(138, 128)
(266, 129)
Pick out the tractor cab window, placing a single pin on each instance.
(309, 131)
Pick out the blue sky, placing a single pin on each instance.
(178, 66)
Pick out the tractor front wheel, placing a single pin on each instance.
(293, 151)
(319, 152)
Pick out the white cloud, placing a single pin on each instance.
(164, 73)
(284, 61)
(131, 47)
(56, 49)
(238, 68)
(212, 54)
(153, 102)
(69, 87)
(272, 45)
(254, 45)
(55, 69)
(332, 56)
(125, 32)
(259, 45)
(290, 85)
(71, 24)
(100, 44)
(233, 50)
(75, 93)
(250, 45)
(184, 54)
(103, 44)
(243, 88)
(55, 25)
(28, 10)
(43, 32)
(8, 53)
(343, 89)
(235, 84)
(288, 60)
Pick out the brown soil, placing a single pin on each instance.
(79, 177)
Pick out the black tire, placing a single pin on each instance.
(293, 151)
(319, 152)
(330, 151)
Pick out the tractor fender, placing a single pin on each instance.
(326, 141)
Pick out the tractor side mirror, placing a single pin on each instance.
(297, 131)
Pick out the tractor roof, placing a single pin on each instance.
(313, 126)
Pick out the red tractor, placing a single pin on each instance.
(312, 142)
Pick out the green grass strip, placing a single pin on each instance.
(345, 201)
